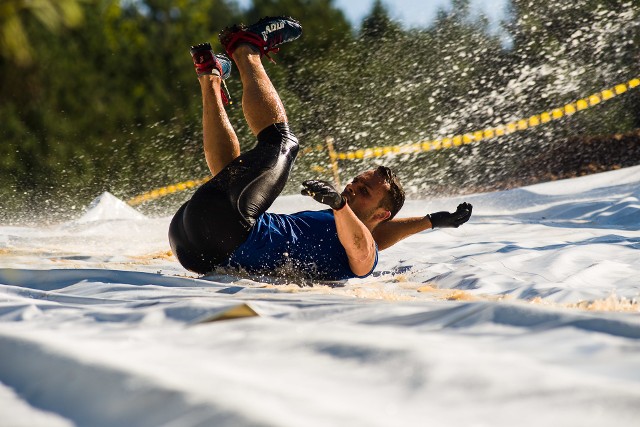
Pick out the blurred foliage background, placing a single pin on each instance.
(100, 95)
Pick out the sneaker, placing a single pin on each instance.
(207, 62)
(266, 34)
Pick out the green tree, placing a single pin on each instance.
(52, 14)
(377, 24)
(563, 51)
(107, 105)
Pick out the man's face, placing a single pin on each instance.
(365, 193)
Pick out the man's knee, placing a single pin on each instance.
(280, 134)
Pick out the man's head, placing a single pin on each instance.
(375, 196)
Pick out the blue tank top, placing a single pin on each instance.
(302, 243)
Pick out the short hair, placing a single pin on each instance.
(394, 199)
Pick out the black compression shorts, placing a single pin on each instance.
(208, 228)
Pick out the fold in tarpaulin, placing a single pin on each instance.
(237, 312)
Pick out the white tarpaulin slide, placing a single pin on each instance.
(526, 316)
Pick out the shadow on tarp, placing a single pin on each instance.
(35, 290)
(578, 210)
(52, 279)
(92, 393)
(531, 318)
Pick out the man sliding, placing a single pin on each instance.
(225, 224)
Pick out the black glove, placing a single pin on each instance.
(451, 220)
(323, 192)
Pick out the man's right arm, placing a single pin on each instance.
(391, 232)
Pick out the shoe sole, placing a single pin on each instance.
(227, 32)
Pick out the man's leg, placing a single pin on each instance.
(218, 218)
(246, 44)
(261, 104)
(220, 141)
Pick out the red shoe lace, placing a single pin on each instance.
(254, 40)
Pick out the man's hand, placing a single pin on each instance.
(323, 192)
(451, 220)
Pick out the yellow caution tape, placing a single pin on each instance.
(164, 191)
(490, 133)
(437, 144)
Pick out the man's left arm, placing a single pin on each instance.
(391, 232)
(355, 237)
